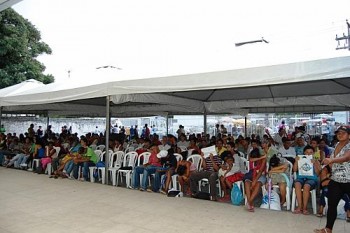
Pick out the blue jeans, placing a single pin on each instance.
(85, 167)
(146, 171)
(324, 193)
(157, 178)
(68, 167)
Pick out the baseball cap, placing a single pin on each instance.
(344, 128)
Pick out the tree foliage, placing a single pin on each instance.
(20, 45)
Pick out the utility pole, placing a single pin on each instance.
(346, 44)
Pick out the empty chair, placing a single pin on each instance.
(119, 155)
(129, 163)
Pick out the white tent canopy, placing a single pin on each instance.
(310, 86)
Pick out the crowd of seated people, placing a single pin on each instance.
(250, 160)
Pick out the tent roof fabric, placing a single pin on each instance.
(310, 86)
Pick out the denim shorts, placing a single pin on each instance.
(303, 181)
(249, 177)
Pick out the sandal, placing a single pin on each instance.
(297, 211)
(305, 212)
(348, 219)
(250, 208)
(320, 215)
(324, 230)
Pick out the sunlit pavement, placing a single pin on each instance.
(35, 203)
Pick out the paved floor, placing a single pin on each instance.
(35, 203)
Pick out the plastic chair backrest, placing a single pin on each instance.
(183, 148)
(57, 148)
(119, 155)
(145, 156)
(246, 163)
(129, 148)
(100, 147)
(178, 156)
(98, 153)
(130, 159)
(197, 160)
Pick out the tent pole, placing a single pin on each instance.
(47, 119)
(245, 126)
(0, 115)
(108, 126)
(205, 123)
(167, 124)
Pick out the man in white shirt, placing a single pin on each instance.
(164, 145)
(278, 137)
(286, 149)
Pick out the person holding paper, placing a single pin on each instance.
(307, 170)
(340, 179)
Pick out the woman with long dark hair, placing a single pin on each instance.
(340, 179)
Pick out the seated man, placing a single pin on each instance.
(146, 169)
(287, 151)
(211, 166)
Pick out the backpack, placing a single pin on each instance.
(202, 195)
(236, 195)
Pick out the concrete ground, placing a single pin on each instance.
(35, 203)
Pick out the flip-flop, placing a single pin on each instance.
(297, 212)
(250, 208)
(320, 215)
(323, 230)
(348, 219)
(305, 212)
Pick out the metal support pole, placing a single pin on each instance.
(0, 115)
(205, 123)
(167, 124)
(108, 126)
(47, 120)
(245, 126)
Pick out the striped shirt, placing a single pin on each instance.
(217, 161)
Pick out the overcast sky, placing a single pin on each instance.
(182, 36)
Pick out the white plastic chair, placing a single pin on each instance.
(289, 183)
(119, 155)
(183, 148)
(102, 169)
(313, 198)
(174, 178)
(130, 159)
(197, 160)
(49, 165)
(100, 147)
(145, 158)
(129, 148)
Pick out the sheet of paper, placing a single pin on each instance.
(208, 150)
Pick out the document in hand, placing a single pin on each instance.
(208, 150)
(305, 166)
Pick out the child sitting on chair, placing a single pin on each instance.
(276, 170)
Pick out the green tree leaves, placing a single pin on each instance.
(20, 45)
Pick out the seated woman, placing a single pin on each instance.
(255, 178)
(184, 170)
(50, 153)
(277, 167)
(304, 184)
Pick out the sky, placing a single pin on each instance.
(169, 37)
